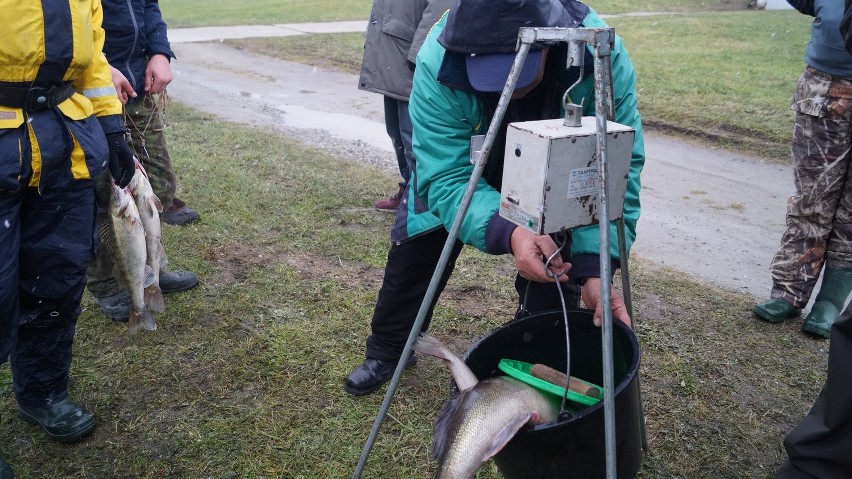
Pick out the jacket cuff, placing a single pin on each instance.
(498, 235)
(589, 266)
(112, 123)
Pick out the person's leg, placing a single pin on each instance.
(406, 130)
(57, 232)
(818, 179)
(837, 276)
(392, 126)
(819, 446)
(408, 273)
(145, 121)
(10, 240)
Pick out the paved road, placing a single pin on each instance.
(716, 215)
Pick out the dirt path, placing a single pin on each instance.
(715, 215)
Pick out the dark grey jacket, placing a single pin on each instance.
(396, 30)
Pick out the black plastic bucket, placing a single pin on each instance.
(573, 447)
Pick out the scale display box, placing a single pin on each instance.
(550, 173)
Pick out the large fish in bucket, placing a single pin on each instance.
(484, 416)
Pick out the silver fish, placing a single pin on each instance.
(149, 208)
(125, 236)
(484, 416)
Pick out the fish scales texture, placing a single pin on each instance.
(149, 208)
(128, 243)
(476, 423)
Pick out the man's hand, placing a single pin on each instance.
(158, 73)
(121, 163)
(122, 86)
(531, 251)
(591, 294)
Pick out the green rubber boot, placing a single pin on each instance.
(6, 470)
(836, 286)
(775, 310)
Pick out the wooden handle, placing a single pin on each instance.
(553, 376)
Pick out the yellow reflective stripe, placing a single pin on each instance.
(78, 163)
(35, 160)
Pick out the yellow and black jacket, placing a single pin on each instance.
(52, 62)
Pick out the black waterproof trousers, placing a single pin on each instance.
(409, 271)
(46, 240)
(820, 446)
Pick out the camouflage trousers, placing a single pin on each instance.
(144, 121)
(819, 214)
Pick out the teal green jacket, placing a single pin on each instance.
(444, 120)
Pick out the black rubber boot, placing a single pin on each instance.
(836, 286)
(65, 421)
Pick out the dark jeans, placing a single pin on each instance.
(408, 272)
(398, 126)
(820, 446)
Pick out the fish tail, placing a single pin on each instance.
(154, 298)
(140, 320)
(431, 346)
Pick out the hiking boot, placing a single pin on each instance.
(6, 470)
(116, 306)
(829, 302)
(390, 205)
(775, 310)
(179, 214)
(65, 421)
(176, 281)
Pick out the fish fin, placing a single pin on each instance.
(505, 435)
(149, 276)
(157, 204)
(106, 235)
(445, 424)
(154, 298)
(431, 346)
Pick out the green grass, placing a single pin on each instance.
(726, 77)
(196, 13)
(243, 378)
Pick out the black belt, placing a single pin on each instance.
(31, 98)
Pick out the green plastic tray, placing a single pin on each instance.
(521, 370)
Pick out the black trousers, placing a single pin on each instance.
(409, 271)
(820, 446)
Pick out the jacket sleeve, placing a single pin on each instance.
(803, 6)
(155, 31)
(444, 120)
(433, 12)
(96, 82)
